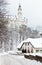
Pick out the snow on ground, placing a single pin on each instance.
(24, 61)
(8, 59)
(34, 54)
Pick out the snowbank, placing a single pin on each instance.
(34, 56)
(8, 59)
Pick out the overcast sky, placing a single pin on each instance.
(32, 9)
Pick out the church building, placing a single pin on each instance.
(17, 21)
(14, 25)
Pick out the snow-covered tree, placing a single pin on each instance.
(3, 23)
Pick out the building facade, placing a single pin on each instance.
(31, 45)
(14, 24)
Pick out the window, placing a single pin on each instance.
(37, 50)
(25, 44)
(41, 51)
(31, 50)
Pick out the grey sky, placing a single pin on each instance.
(32, 9)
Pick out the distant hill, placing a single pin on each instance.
(39, 28)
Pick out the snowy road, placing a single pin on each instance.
(16, 60)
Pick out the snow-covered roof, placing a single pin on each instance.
(36, 42)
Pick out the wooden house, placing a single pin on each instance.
(31, 45)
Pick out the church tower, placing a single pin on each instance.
(20, 11)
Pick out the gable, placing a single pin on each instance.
(36, 43)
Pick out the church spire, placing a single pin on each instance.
(19, 11)
(19, 7)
